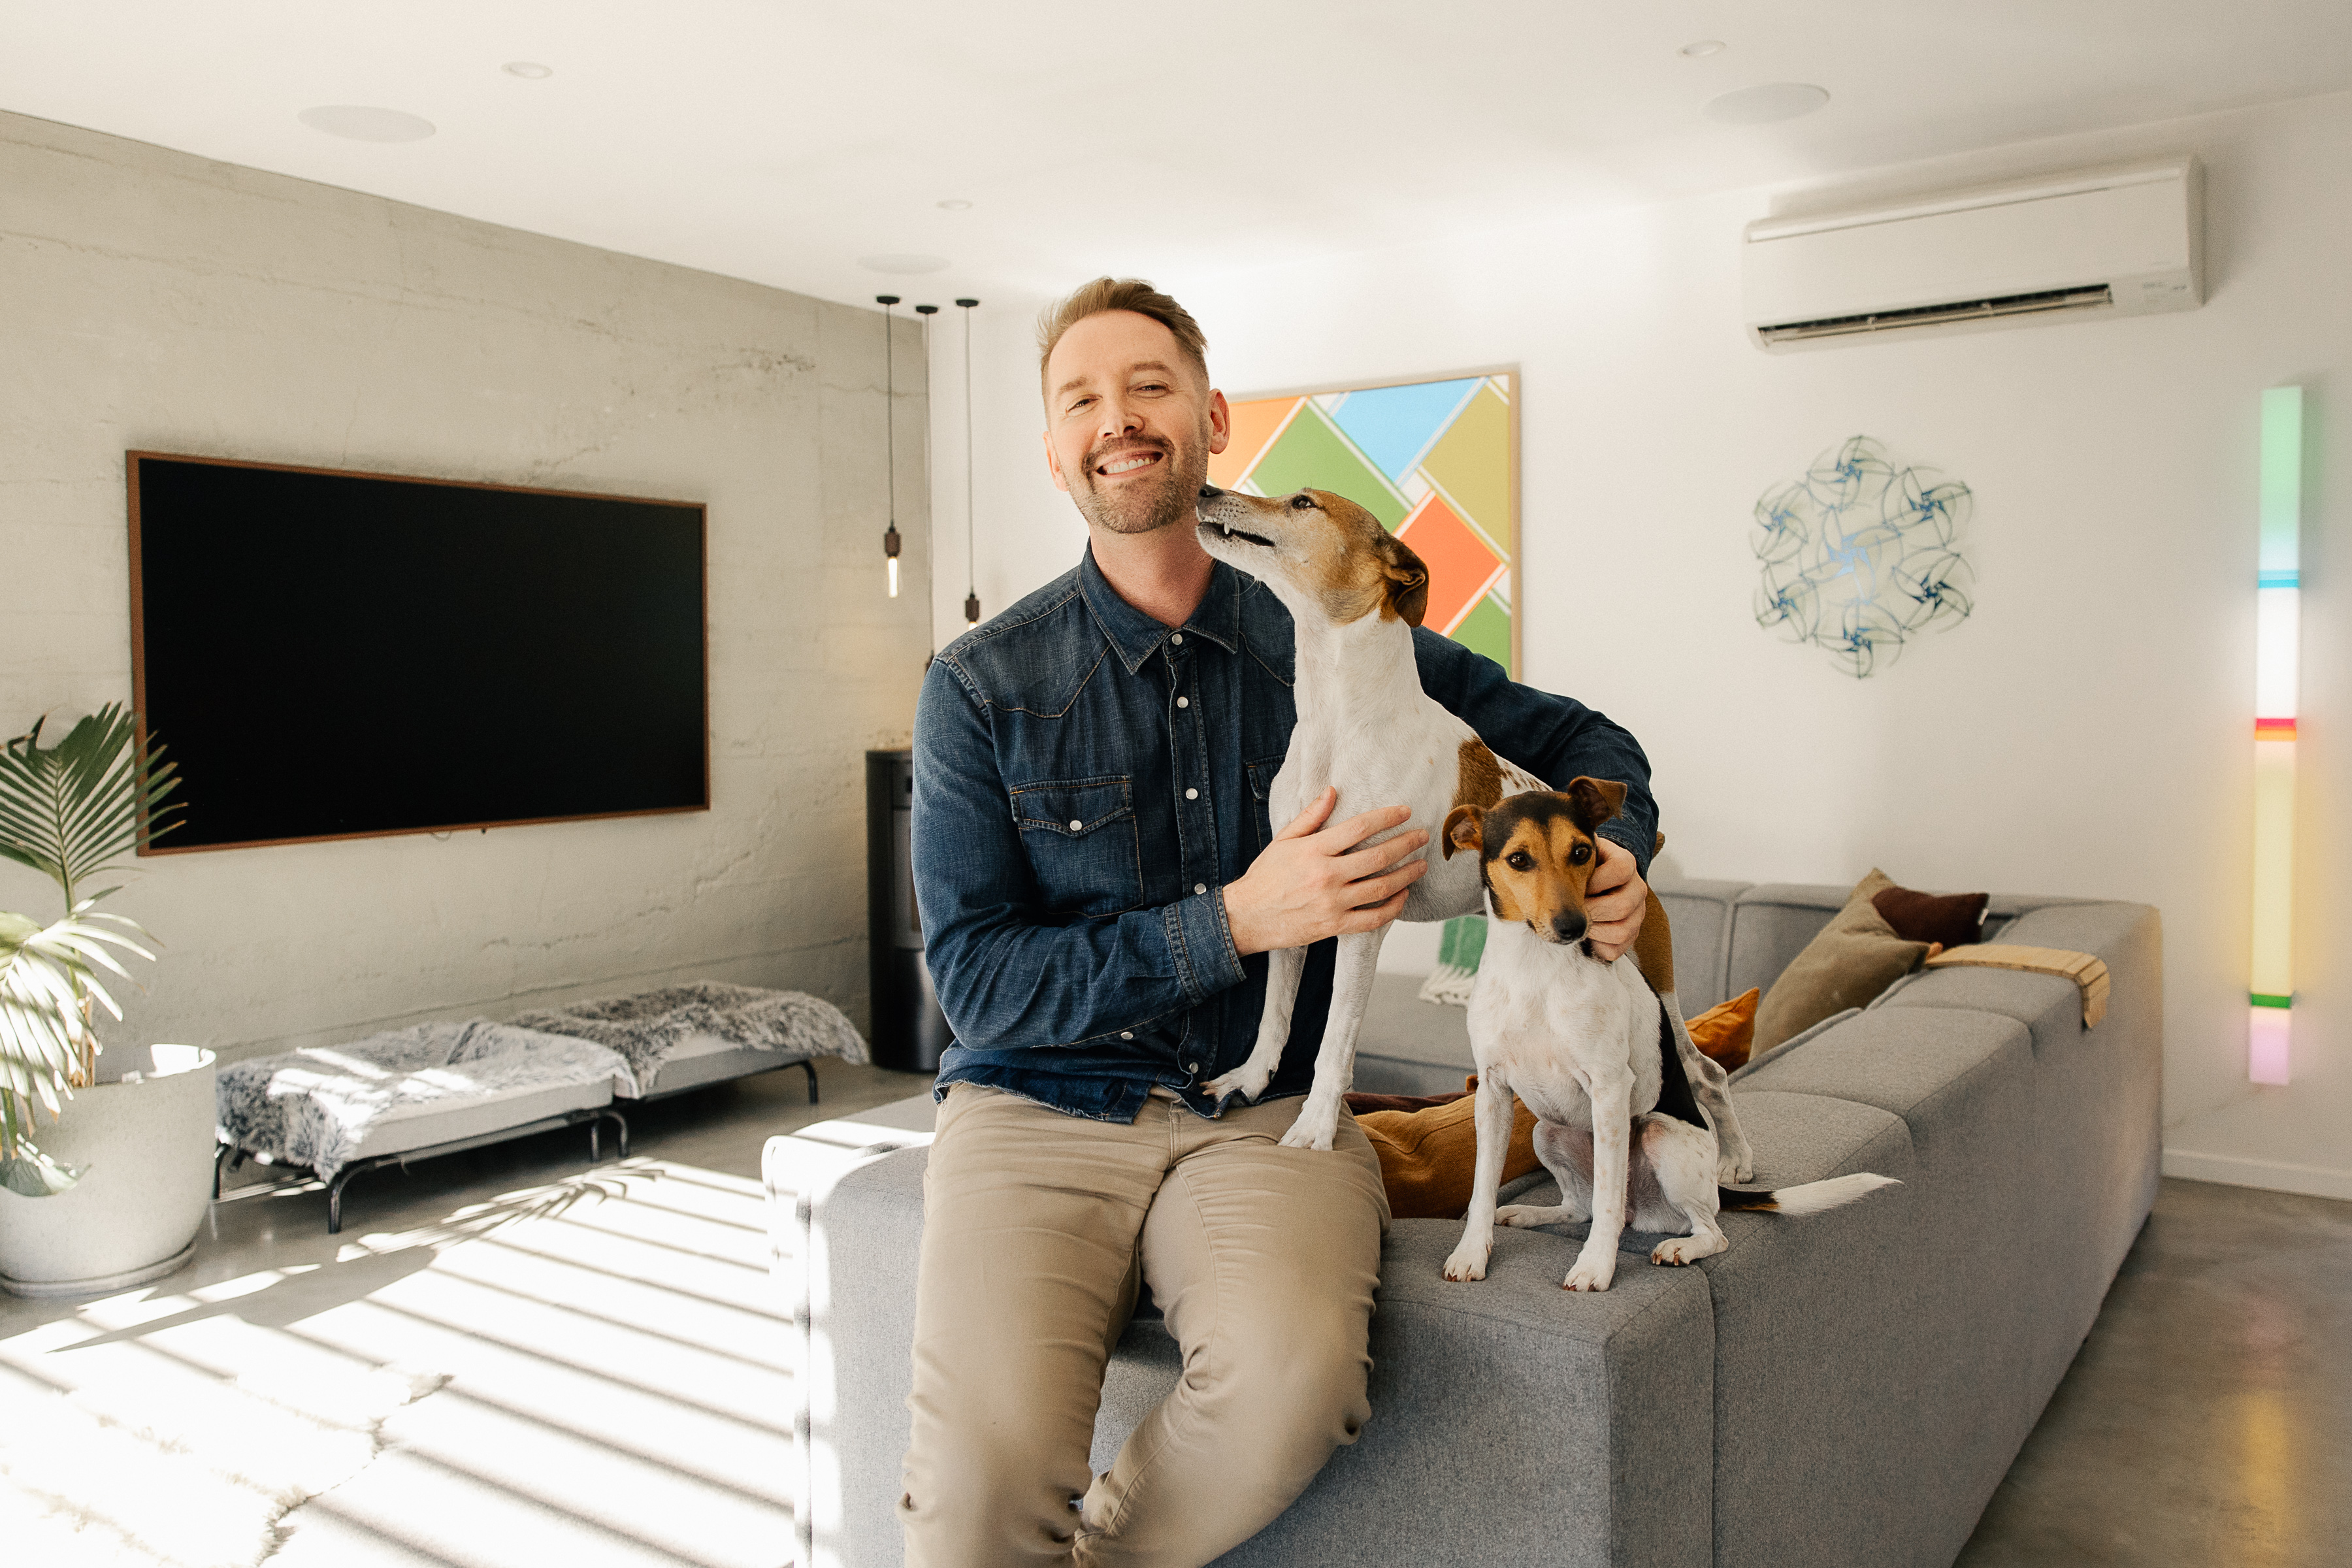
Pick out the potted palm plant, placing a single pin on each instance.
(104, 1158)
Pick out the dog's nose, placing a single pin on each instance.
(1210, 493)
(1568, 928)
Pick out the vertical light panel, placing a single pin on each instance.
(2277, 625)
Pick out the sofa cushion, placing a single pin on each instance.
(1700, 914)
(1850, 960)
(1955, 920)
(1607, 1464)
(1770, 924)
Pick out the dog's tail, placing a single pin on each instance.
(1813, 1197)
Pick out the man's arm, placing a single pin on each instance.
(1009, 972)
(1555, 738)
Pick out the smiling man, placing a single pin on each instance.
(1099, 884)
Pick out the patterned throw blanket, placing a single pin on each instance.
(646, 1028)
(314, 1107)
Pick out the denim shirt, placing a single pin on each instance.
(1086, 782)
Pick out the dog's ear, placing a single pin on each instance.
(1466, 828)
(1592, 801)
(1407, 579)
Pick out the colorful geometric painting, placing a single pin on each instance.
(1437, 462)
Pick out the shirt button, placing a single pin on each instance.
(1200, 887)
(1191, 794)
(1178, 640)
(1076, 826)
(1127, 1033)
(1183, 702)
(1191, 1067)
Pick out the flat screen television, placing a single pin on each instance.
(332, 655)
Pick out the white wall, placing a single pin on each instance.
(150, 300)
(2087, 731)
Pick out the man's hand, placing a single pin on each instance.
(1313, 881)
(1615, 899)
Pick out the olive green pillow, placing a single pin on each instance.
(1857, 956)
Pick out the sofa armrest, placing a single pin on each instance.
(858, 1238)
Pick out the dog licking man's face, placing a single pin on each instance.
(1536, 852)
(1130, 423)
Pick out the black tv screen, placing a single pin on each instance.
(331, 656)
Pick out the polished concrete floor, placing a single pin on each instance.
(2208, 1419)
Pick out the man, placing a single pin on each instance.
(1099, 884)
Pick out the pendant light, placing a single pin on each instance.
(890, 434)
(971, 578)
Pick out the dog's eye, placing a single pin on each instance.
(1580, 855)
(1520, 860)
(1302, 501)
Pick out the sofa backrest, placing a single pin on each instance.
(1730, 936)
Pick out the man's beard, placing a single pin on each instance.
(1172, 496)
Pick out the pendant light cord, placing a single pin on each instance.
(971, 572)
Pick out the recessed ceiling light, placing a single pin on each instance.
(530, 71)
(1697, 51)
(1766, 103)
(360, 122)
(903, 264)
(954, 204)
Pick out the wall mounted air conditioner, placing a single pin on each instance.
(2105, 242)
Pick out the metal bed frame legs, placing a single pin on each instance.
(229, 1156)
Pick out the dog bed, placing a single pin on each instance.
(409, 1093)
(682, 1037)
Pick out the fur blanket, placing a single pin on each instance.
(314, 1107)
(646, 1026)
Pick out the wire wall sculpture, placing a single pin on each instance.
(1859, 554)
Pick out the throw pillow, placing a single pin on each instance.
(1956, 920)
(1428, 1156)
(1857, 956)
(1725, 1033)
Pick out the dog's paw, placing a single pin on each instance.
(1243, 1082)
(1467, 1263)
(1527, 1216)
(1675, 1251)
(1734, 1166)
(1592, 1273)
(1313, 1130)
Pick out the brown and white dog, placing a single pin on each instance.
(1593, 1050)
(1355, 592)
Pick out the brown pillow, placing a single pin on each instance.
(1725, 1033)
(1956, 920)
(1428, 1157)
(1857, 956)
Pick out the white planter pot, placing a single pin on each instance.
(134, 1215)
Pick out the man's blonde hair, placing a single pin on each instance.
(1120, 294)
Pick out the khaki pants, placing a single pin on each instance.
(1036, 1228)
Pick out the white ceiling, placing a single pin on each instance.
(782, 142)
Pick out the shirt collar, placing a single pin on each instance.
(1135, 635)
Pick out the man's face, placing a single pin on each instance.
(1130, 423)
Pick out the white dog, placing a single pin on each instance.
(1355, 592)
(1592, 1049)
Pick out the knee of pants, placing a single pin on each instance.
(1308, 1373)
(988, 1489)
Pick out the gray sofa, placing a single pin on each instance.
(1846, 1389)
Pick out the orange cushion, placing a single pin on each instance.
(1725, 1033)
(1428, 1158)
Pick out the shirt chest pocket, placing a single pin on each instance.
(1083, 845)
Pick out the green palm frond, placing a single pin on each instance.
(46, 990)
(69, 811)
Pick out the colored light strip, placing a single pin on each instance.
(2278, 616)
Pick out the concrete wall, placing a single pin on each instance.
(150, 300)
(2088, 732)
